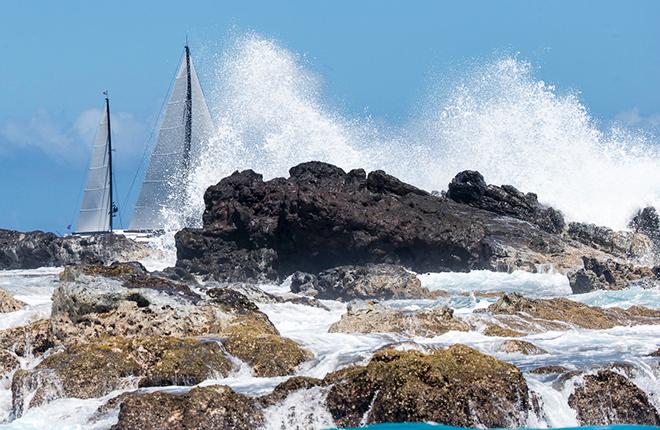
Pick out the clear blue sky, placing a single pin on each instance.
(375, 55)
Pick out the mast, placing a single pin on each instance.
(112, 204)
(188, 114)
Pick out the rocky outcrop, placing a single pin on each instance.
(610, 275)
(94, 369)
(607, 397)
(322, 217)
(373, 281)
(470, 188)
(38, 249)
(8, 303)
(375, 318)
(521, 347)
(458, 386)
(647, 222)
(26, 341)
(527, 315)
(203, 408)
(624, 244)
(284, 389)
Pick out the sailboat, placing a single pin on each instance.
(98, 208)
(184, 126)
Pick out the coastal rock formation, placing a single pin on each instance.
(203, 408)
(30, 340)
(470, 188)
(97, 368)
(93, 302)
(8, 303)
(520, 346)
(322, 217)
(38, 249)
(624, 244)
(458, 386)
(527, 315)
(373, 281)
(376, 318)
(610, 275)
(647, 222)
(608, 397)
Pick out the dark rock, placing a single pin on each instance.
(322, 217)
(470, 188)
(549, 370)
(26, 341)
(458, 386)
(520, 346)
(373, 281)
(202, 408)
(607, 398)
(647, 222)
(232, 300)
(37, 249)
(610, 275)
(283, 389)
(623, 244)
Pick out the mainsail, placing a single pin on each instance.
(184, 126)
(97, 208)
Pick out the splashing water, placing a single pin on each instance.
(498, 119)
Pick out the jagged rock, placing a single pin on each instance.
(283, 389)
(26, 341)
(610, 275)
(257, 295)
(549, 370)
(655, 354)
(8, 303)
(37, 249)
(521, 346)
(322, 217)
(261, 346)
(647, 222)
(608, 397)
(376, 318)
(623, 244)
(95, 369)
(202, 408)
(373, 281)
(499, 331)
(531, 315)
(469, 187)
(458, 386)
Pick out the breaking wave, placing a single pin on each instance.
(498, 119)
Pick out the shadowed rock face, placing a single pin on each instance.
(458, 386)
(610, 398)
(610, 275)
(469, 187)
(38, 249)
(322, 217)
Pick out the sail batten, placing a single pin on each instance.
(95, 214)
(184, 126)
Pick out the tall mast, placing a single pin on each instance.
(107, 112)
(188, 113)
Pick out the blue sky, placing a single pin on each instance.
(373, 56)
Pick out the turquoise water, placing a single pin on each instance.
(424, 426)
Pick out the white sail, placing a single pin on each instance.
(163, 189)
(96, 204)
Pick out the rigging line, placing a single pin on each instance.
(121, 222)
(151, 136)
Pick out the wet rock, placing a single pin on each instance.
(322, 217)
(26, 341)
(647, 222)
(623, 244)
(457, 386)
(260, 345)
(373, 281)
(610, 275)
(469, 187)
(549, 370)
(655, 354)
(376, 318)
(283, 389)
(8, 303)
(304, 283)
(531, 315)
(202, 408)
(95, 369)
(499, 331)
(37, 249)
(520, 346)
(608, 398)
